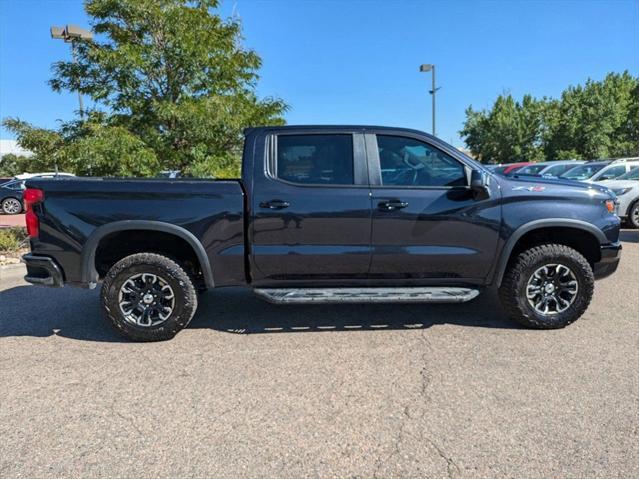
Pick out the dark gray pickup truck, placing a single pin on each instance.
(326, 214)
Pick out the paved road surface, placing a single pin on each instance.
(255, 390)
(11, 220)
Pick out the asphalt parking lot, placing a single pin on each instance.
(256, 390)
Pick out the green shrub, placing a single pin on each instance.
(12, 239)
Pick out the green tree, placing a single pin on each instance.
(12, 165)
(86, 147)
(173, 88)
(510, 131)
(597, 120)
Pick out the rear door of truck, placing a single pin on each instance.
(310, 208)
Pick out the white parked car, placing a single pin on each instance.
(548, 169)
(600, 170)
(626, 187)
(49, 174)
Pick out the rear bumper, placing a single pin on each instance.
(610, 255)
(43, 271)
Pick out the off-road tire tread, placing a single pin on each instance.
(511, 290)
(173, 325)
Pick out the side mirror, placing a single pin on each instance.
(479, 182)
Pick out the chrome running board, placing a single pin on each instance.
(367, 295)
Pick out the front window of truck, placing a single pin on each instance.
(409, 162)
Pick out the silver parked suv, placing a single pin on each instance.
(600, 170)
(626, 187)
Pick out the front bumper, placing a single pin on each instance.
(43, 271)
(610, 255)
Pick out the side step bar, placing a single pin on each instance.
(367, 295)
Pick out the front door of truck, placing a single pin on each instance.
(427, 226)
(311, 210)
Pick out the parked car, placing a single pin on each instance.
(335, 214)
(626, 187)
(600, 170)
(509, 168)
(170, 174)
(548, 169)
(48, 174)
(11, 197)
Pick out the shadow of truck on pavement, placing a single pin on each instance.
(75, 313)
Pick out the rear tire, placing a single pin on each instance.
(148, 297)
(539, 291)
(633, 215)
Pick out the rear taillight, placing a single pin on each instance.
(32, 196)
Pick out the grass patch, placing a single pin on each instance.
(12, 239)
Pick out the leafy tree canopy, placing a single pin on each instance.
(597, 120)
(173, 88)
(12, 165)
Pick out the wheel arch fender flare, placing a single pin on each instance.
(90, 274)
(536, 225)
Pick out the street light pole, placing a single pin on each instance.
(75, 60)
(427, 67)
(72, 34)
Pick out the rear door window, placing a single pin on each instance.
(315, 159)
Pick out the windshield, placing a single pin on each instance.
(531, 170)
(13, 185)
(631, 175)
(500, 169)
(582, 172)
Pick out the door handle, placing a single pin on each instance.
(275, 204)
(390, 205)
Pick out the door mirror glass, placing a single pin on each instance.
(479, 184)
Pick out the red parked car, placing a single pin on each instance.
(508, 168)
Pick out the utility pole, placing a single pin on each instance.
(72, 34)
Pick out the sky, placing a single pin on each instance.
(357, 62)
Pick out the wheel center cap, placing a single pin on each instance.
(549, 288)
(147, 298)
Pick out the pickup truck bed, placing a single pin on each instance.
(89, 218)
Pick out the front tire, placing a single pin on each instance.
(633, 215)
(547, 287)
(148, 297)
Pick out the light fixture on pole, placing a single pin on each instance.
(72, 34)
(428, 67)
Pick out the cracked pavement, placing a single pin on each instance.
(256, 390)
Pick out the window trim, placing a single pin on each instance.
(375, 170)
(360, 166)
